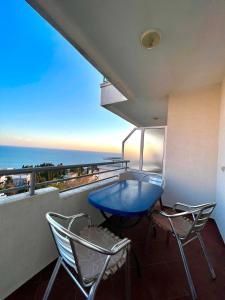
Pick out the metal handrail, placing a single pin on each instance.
(33, 171)
(56, 168)
(105, 79)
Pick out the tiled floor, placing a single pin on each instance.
(163, 277)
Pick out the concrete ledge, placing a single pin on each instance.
(23, 196)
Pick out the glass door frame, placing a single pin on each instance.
(141, 153)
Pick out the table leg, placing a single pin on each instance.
(137, 263)
(104, 215)
(117, 229)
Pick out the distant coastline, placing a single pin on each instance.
(17, 156)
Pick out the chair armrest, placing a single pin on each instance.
(95, 247)
(175, 215)
(114, 249)
(79, 216)
(120, 245)
(188, 206)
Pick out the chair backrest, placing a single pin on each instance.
(61, 238)
(153, 178)
(70, 245)
(134, 175)
(201, 217)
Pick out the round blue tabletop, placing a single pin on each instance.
(126, 198)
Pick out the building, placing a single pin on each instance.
(165, 64)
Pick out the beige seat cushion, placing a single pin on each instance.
(182, 225)
(91, 262)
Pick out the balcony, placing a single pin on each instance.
(175, 90)
(109, 94)
(113, 100)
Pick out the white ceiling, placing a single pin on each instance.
(191, 53)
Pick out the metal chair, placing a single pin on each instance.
(92, 254)
(134, 175)
(186, 229)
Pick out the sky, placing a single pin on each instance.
(49, 93)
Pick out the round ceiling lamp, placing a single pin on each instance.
(150, 38)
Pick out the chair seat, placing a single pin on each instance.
(91, 262)
(182, 225)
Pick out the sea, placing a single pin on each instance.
(16, 157)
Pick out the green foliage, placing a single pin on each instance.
(27, 166)
(79, 171)
(47, 175)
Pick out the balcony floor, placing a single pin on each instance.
(163, 276)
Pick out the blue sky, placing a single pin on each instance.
(49, 93)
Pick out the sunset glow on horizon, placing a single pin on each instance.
(50, 94)
(111, 143)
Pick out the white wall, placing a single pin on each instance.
(220, 208)
(192, 146)
(26, 245)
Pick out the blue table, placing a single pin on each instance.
(126, 198)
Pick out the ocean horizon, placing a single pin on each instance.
(17, 156)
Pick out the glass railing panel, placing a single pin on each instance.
(154, 139)
(132, 149)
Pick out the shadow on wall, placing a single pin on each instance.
(180, 190)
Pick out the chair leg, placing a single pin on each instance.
(92, 292)
(127, 275)
(186, 267)
(52, 279)
(137, 263)
(161, 204)
(206, 256)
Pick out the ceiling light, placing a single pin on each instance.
(150, 38)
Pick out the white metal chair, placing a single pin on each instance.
(186, 229)
(151, 177)
(92, 254)
(134, 175)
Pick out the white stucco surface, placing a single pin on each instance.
(192, 146)
(220, 189)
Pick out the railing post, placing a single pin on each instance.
(126, 166)
(141, 149)
(32, 183)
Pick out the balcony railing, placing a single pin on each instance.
(105, 80)
(116, 165)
